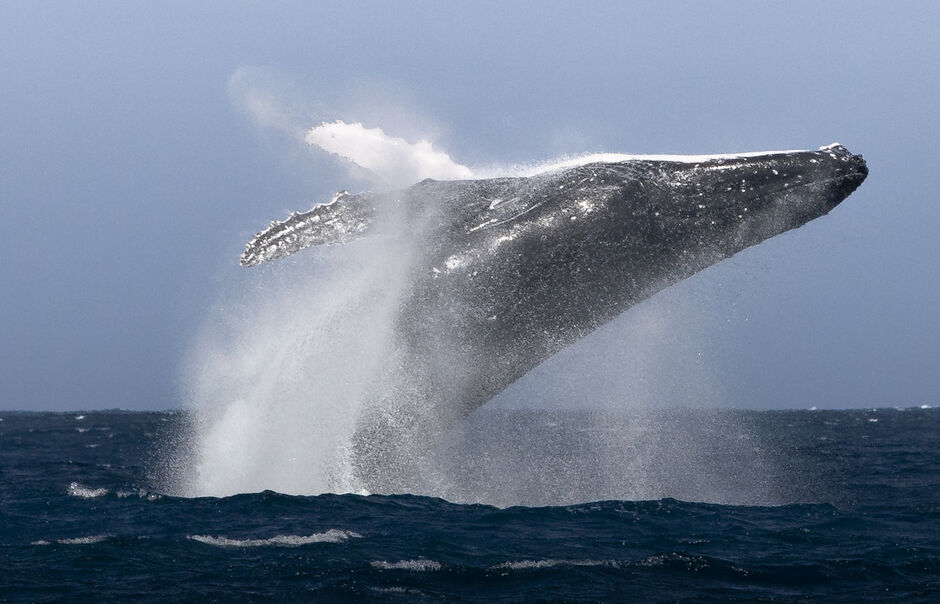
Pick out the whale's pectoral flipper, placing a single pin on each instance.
(342, 220)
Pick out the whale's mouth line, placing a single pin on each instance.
(858, 176)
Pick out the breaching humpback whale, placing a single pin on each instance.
(505, 272)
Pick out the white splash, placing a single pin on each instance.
(396, 161)
(280, 375)
(91, 539)
(77, 490)
(551, 563)
(418, 565)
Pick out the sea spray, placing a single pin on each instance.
(394, 161)
(284, 371)
(281, 374)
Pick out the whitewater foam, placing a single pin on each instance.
(77, 490)
(330, 536)
(551, 563)
(89, 540)
(417, 565)
(140, 493)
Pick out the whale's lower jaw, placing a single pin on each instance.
(504, 273)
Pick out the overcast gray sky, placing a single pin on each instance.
(131, 175)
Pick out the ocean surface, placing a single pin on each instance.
(783, 506)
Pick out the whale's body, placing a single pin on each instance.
(505, 272)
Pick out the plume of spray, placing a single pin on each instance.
(281, 375)
(395, 161)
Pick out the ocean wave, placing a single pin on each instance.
(140, 493)
(83, 540)
(77, 490)
(330, 536)
(74, 540)
(550, 563)
(675, 559)
(417, 565)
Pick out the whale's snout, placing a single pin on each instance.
(849, 171)
(860, 171)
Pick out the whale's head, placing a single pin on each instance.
(753, 198)
(730, 203)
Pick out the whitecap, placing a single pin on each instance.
(550, 563)
(77, 490)
(330, 536)
(83, 540)
(418, 565)
(79, 417)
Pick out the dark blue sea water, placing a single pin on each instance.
(849, 511)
